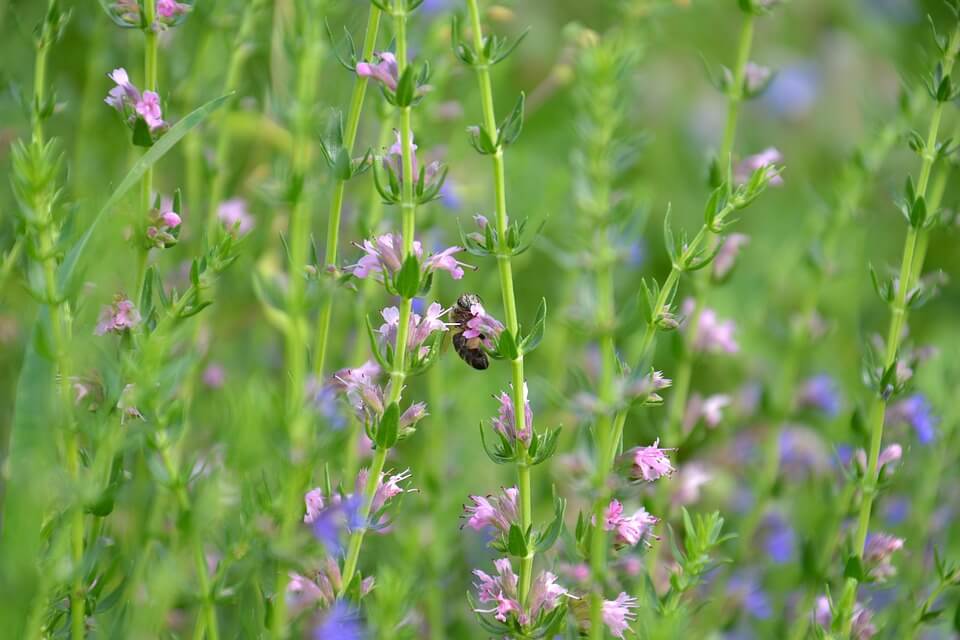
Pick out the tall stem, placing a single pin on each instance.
(910, 270)
(150, 57)
(408, 210)
(506, 289)
(336, 202)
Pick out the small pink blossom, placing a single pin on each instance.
(234, 216)
(148, 107)
(482, 326)
(171, 9)
(498, 512)
(650, 463)
(505, 422)
(385, 70)
(768, 158)
(878, 554)
(629, 529)
(713, 335)
(727, 255)
(118, 317)
(618, 614)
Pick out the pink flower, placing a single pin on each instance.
(118, 317)
(363, 393)
(385, 70)
(505, 422)
(651, 463)
(171, 219)
(768, 158)
(124, 93)
(545, 595)
(498, 512)
(755, 79)
(302, 592)
(419, 328)
(482, 325)
(630, 529)
(444, 261)
(171, 9)
(148, 107)
(501, 590)
(214, 376)
(709, 409)
(889, 456)
(234, 216)
(618, 614)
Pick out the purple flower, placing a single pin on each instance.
(501, 591)
(360, 387)
(384, 70)
(234, 216)
(768, 158)
(505, 423)
(148, 108)
(890, 455)
(727, 254)
(820, 393)
(340, 622)
(384, 255)
(650, 463)
(124, 93)
(794, 91)
(756, 78)
(419, 328)
(118, 317)
(629, 529)
(878, 553)
(498, 512)
(915, 411)
(780, 541)
(863, 627)
(802, 452)
(618, 614)
(746, 590)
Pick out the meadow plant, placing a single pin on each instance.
(222, 362)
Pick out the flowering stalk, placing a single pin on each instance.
(506, 289)
(150, 73)
(336, 202)
(735, 96)
(903, 295)
(398, 374)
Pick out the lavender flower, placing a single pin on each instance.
(420, 328)
(505, 424)
(498, 512)
(482, 326)
(214, 376)
(915, 411)
(863, 627)
(340, 622)
(234, 216)
(171, 9)
(363, 394)
(756, 78)
(118, 317)
(709, 409)
(878, 553)
(780, 541)
(768, 158)
(650, 463)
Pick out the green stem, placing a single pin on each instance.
(336, 203)
(150, 57)
(507, 292)
(910, 270)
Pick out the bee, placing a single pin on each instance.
(470, 350)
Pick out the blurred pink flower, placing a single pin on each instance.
(234, 216)
(650, 463)
(118, 317)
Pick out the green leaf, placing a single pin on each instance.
(854, 568)
(507, 346)
(549, 535)
(407, 282)
(387, 429)
(516, 542)
(141, 134)
(533, 339)
(68, 273)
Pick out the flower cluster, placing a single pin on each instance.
(383, 259)
(136, 107)
(420, 328)
(163, 228)
(501, 591)
(650, 463)
(713, 335)
(878, 555)
(862, 627)
(366, 397)
(505, 422)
